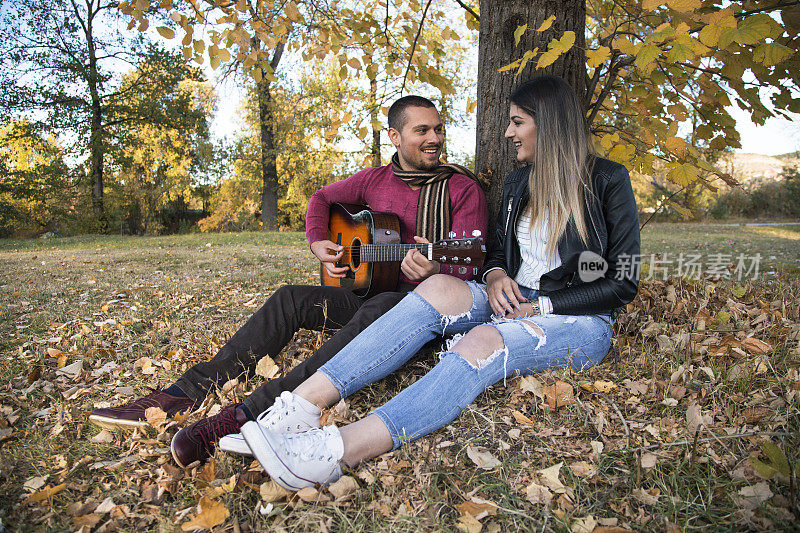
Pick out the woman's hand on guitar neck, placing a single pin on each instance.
(322, 249)
(416, 266)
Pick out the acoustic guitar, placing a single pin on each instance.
(373, 250)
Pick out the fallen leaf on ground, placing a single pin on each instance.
(484, 460)
(647, 497)
(35, 483)
(756, 346)
(156, 417)
(604, 387)
(469, 524)
(345, 486)
(549, 476)
(522, 419)
(210, 514)
(584, 525)
(272, 492)
(310, 494)
(751, 497)
(105, 507)
(559, 394)
(478, 510)
(266, 367)
(104, 437)
(649, 460)
(46, 493)
(583, 469)
(537, 494)
(532, 385)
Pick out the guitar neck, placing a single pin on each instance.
(372, 253)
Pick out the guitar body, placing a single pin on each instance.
(353, 226)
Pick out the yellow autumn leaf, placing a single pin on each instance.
(518, 33)
(526, 57)
(646, 56)
(165, 32)
(547, 59)
(676, 145)
(681, 50)
(772, 53)
(510, 66)
(211, 514)
(46, 493)
(547, 23)
(292, 12)
(682, 173)
(651, 5)
(684, 6)
(604, 386)
(598, 57)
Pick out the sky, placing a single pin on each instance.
(778, 136)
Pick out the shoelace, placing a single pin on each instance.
(312, 444)
(280, 409)
(210, 429)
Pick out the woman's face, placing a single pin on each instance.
(522, 132)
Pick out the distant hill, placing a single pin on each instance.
(750, 168)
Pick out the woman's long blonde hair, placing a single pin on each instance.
(560, 176)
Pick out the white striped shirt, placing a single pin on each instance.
(533, 249)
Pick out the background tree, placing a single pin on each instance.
(58, 61)
(159, 136)
(306, 156)
(35, 193)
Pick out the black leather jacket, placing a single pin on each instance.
(613, 233)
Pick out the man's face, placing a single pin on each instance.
(419, 143)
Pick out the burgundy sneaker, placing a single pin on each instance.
(197, 441)
(131, 414)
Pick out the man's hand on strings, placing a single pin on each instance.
(329, 253)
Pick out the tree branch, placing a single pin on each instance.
(414, 45)
(469, 10)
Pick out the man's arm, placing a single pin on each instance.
(349, 191)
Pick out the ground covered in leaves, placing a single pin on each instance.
(692, 422)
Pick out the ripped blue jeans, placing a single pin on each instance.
(437, 398)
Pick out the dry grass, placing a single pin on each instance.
(681, 356)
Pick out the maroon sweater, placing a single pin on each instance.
(384, 192)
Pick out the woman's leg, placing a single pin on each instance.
(485, 355)
(439, 303)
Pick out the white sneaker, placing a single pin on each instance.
(297, 460)
(289, 414)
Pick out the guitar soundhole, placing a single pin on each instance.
(355, 254)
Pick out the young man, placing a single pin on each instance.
(429, 198)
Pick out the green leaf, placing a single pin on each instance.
(647, 55)
(738, 291)
(772, 53)
(777, 458)
(518, 33)
(762, 469)
(166, 33)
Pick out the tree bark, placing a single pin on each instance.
(96, 148)
(269, 159)
(494, 158)
(373, 115)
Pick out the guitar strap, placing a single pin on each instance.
(433, 209)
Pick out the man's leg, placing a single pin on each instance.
(197, 441)
(263, 397)
(266, 333)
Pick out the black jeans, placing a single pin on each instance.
(267, 332)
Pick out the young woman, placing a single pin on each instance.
(560, 266)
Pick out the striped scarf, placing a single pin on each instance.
(433, 209)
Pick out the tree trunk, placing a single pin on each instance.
(494, 158)
(269, 159)
(96, 148)
(373, 115)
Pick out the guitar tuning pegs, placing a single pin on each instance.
(443, 259)
(464, 234)
(476, 233)
(451, 235)
(455, 259)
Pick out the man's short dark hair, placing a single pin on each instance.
(397, 113)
